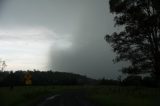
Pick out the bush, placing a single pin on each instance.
(132, 80)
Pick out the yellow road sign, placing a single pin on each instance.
(28, 78)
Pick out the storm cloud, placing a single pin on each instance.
(62, 35)
(90, 54)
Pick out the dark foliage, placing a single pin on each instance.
(139, 41)
(108, 82)
(63, 78)
(148, 81)
(43, 78)
(133, 80)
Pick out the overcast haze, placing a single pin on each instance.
(62, 35)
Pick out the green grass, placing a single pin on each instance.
(27, 95)
(125, 96)
(117, 100)
(104, 95)
(22, 96)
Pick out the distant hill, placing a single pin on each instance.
(44, 78)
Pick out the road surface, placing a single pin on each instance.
(66, 99)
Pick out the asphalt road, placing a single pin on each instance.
(66, 99)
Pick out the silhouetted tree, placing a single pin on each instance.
(132, 80)
(104, 81)
(148, 81)
(11, 80)
(139, 40)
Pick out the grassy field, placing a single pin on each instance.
(125, 96)
(104, 95)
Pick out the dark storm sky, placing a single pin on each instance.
(62, 35)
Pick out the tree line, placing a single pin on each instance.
(44, 78)
(17, 78)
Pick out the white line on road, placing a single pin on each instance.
(47, 99)
(51, 97)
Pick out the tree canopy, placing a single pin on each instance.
(139, 41)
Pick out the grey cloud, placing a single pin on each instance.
(91, 55)
(81, 23)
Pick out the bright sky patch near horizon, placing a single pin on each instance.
(62, 35)
(28, 47)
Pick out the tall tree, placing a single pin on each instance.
(139, 41)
